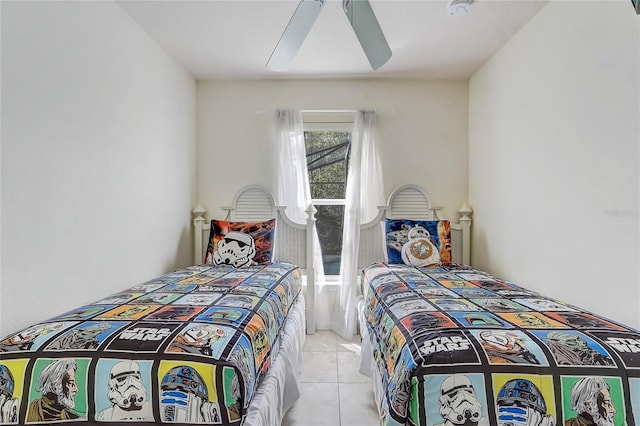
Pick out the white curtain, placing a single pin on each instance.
(293, 190)
(365, 192)
(292, 179)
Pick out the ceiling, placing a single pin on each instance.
(219, 39)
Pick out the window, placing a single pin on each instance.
(327, 147)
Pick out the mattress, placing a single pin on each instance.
(193, 346)
(456, 346)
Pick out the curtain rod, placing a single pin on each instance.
(314, 111)
(385, 111)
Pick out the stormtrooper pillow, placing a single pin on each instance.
(418, 242)
(240, 244)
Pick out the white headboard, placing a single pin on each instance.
(410, 202)
(293, 241)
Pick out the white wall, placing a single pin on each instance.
(553, 154)
(422, 127)
(98, 158)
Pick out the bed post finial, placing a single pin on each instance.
(465, 211)
(465, 221)
(198, 224)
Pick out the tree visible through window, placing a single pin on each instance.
(327, 161)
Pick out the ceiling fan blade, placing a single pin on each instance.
(297, 29)
(368, 31)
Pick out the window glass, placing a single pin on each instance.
(327, 161)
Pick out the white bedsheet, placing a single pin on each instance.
(367, 363)
(280, 387)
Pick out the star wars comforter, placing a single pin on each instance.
(188, 347)
(455, 346)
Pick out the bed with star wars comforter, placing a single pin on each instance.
(454, 346)
(188, 347)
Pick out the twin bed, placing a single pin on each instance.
(445, 344)
(215, 343)
(448, 345)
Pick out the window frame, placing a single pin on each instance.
(329, 126)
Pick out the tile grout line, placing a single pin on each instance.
(338, 385)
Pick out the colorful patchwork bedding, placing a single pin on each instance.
(456, 346)
(188, 347)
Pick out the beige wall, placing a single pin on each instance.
(553, 153)
(98, 158)
(422, 127)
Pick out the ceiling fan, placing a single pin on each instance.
(361, 17)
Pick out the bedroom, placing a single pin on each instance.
(107, 145)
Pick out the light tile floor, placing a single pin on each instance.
(333, 392)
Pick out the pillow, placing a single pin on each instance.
(418, 242)
(240, 244)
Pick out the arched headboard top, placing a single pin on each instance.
(410, 202)
(251, 203)
(406, 202)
